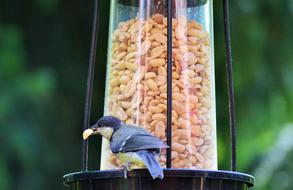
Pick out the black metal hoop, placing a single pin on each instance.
(90, 81)
(231, 96)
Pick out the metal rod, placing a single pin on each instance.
(89, 90)
(169, 83)
(232, 113)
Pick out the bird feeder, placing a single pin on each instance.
(160, 76)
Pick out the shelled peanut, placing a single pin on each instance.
(138, 86)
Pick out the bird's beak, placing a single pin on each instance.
(90, 131)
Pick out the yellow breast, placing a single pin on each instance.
(131, 157)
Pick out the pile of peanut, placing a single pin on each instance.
(138, 87)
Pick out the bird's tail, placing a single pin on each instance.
(149, 159)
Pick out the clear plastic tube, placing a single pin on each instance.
(137, 77)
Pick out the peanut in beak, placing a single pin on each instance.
(87, 133)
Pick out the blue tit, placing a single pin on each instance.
(132, 145)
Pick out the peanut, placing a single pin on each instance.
(157, 62)
(160, 129)
(178, 147)
(159, 37)
(152, 85)
(155, 109)
(182, 133)
(157, 51)
(178, 107)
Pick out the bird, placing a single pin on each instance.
(132, 145)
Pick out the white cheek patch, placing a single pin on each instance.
(106, 132)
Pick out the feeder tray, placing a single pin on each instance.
(174, 179)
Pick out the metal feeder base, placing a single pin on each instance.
(175, 179)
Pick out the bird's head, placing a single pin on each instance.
(105, 127)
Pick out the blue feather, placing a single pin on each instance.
(149, 159)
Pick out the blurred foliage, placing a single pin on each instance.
(44, 49)
(276, 169)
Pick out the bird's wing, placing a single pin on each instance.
(143, 142)
(128, 139)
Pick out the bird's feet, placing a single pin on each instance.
(126, 168)
(125, 173)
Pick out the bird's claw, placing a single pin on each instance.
(126, 168)
(125, 173)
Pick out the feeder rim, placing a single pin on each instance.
(106, 174)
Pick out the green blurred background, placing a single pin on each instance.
(44, 50)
